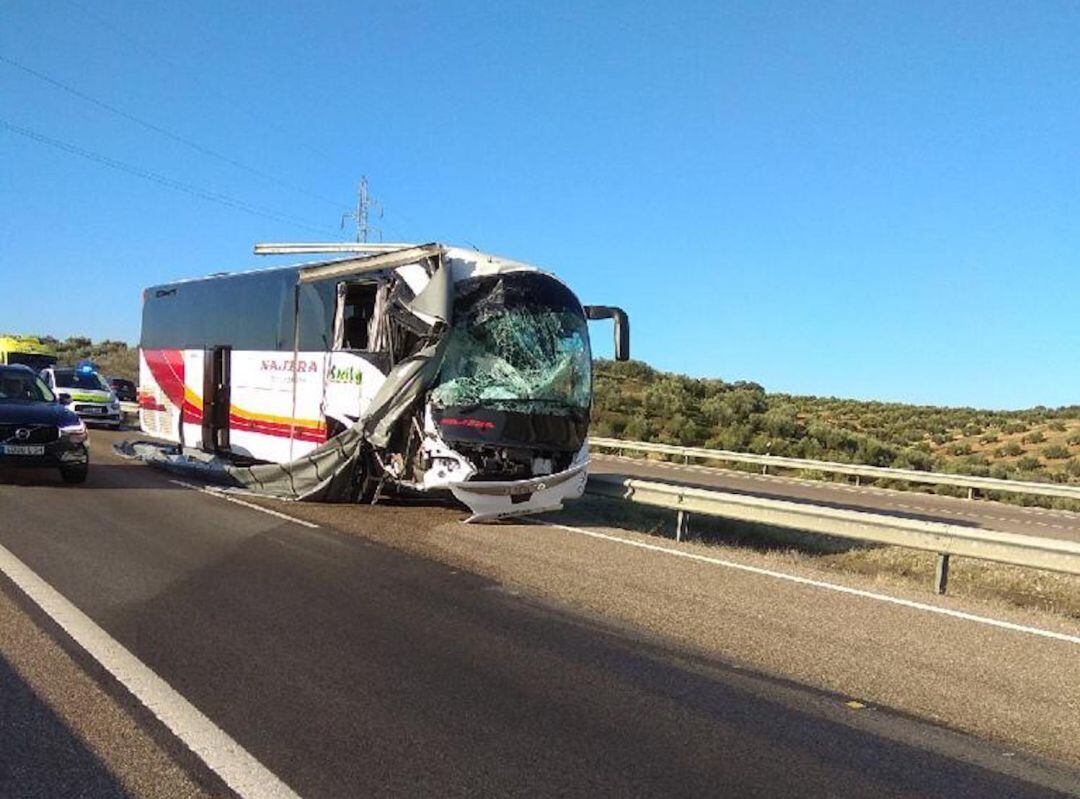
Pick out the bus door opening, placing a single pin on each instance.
(216, 399)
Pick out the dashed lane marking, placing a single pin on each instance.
(252, 505)
(245, 775)
(793, 578)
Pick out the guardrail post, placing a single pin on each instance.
(680, 525)
(764, 468)
(941, 574)
(858, 480)
(971, 493)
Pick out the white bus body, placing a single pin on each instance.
(269, 365)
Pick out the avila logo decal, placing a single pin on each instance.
(349, 375)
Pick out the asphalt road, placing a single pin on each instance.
(350, 668)
(910, 504)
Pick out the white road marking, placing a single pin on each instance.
(252, 505)
(245, 775)
(842, 589)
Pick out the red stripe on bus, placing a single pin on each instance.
(150, 404)
(167, 369)
(277, 429)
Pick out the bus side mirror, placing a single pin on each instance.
(64, 399)
(622, 327)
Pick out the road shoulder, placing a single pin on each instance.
(69, 731)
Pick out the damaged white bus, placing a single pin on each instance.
(417, 367)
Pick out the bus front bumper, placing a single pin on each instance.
(491, 500)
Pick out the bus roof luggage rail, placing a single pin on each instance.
(302, 248)
(372, 263)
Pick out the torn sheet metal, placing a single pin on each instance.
(326, 474)
(492, 500)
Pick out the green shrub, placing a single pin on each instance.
(975, 465)
(1055, 452)
(112, 358)
(1009, 450)
(637, 429)
(1034, 437)
(913, 458)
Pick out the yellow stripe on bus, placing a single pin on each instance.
(194, 400)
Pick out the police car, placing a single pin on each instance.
(86, 393)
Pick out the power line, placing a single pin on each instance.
(262, 119)
(177, 185)
(164, 132)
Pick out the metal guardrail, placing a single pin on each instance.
(944, 539)
(969, 482)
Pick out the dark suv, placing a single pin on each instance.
(36, 430)
(124, 390)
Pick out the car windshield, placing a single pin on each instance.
(74, 378)
(519, 342)
(18, 385)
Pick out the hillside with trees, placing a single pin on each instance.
(635, 401)
(113, 358)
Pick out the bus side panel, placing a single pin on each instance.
(262, 421)
(161, 392)
(193, 398)
(350, 383)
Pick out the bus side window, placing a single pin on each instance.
(358, 325)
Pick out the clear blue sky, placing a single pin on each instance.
(875, 200)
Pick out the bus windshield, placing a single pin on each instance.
(518, 342)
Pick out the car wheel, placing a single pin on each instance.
(74, 474)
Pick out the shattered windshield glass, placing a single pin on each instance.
(518, 343)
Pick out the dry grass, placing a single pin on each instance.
(913, 569)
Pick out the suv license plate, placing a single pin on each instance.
(15, 449)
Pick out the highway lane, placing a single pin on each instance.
(350, 668)
(911, 504)
(61, 735)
